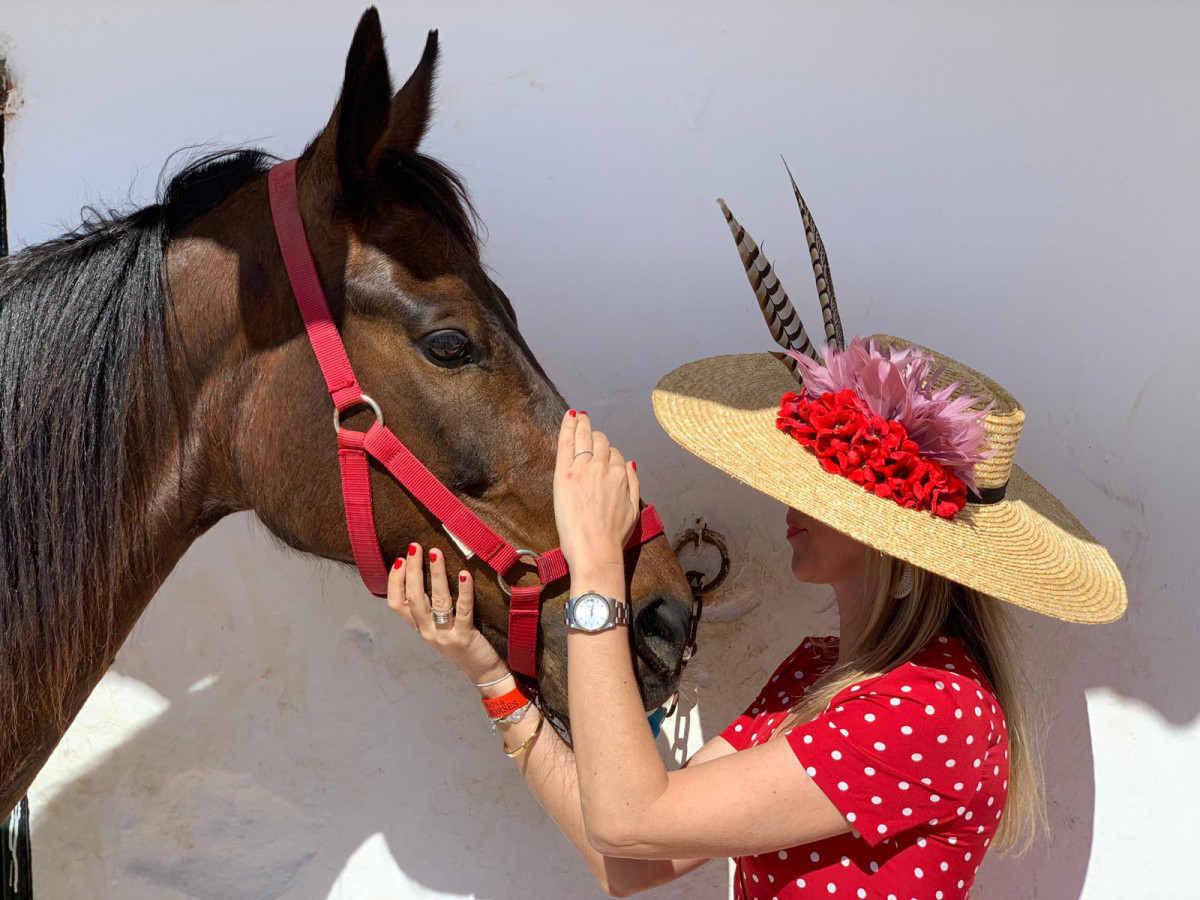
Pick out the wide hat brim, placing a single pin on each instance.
(1026, 549)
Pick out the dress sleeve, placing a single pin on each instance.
(737, 732)
(901, 751)
(744, 731)
(760, 718)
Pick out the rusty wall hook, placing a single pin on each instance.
(697, 536)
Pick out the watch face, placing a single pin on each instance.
(591, 612)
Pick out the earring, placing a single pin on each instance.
(905, 585)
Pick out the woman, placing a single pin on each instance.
(884, 763)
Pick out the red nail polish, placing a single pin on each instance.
(462, 577)
(412, 549)
(571, 413)
(433, 556)
(583, 412)
(632, 463)
(398, 563)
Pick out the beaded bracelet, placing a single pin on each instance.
(513, 717)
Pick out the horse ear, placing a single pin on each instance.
(411, 106)
(360, 118)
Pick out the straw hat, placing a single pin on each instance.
(1012, 539)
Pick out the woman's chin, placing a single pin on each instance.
(806, 574)
(801, 570)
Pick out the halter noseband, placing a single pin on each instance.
(356, 448)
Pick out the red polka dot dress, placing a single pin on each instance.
(915, 759)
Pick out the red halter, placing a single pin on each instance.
(379, 442)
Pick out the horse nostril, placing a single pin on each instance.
(660, 630)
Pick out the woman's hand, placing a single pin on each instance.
(595, 497)
(458, 640)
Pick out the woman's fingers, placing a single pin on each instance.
(635, 486)
(583, 436)
(414, 586)
(439, 589)
(464, 615)
(600, 448)
(627, 472)
(566, 440)
(456, 639)
(396, 600)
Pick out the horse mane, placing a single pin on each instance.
(434, 187)
(84, 338)
(86, 331)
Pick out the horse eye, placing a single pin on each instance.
(448, 348)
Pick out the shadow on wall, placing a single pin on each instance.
(304, 720)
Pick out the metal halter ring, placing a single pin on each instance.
(521, 554)
(363, 400)
(671, 705)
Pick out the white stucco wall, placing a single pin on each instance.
(1013, 183)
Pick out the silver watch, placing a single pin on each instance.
(594, 612)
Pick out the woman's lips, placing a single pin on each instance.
(794, 530)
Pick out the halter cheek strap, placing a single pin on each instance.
(357, 448)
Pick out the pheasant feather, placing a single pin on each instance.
(820, 264)
(781, 317)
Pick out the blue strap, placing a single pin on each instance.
(655, 719)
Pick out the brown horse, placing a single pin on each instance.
(155, 377)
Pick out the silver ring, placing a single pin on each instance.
(443, 618)
(527, 555)
(363, 400)
(581, 452)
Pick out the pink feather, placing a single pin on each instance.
(898, 386)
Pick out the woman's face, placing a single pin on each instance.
(820, 554)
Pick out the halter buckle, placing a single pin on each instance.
(363, 400)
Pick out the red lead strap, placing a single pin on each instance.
(381, 444)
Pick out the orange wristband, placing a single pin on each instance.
(499, 707)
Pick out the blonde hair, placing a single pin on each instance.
(898, 628)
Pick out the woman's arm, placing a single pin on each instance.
(549, 770)
(548, 766)
(747, 803)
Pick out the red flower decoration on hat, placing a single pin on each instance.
(921, 456)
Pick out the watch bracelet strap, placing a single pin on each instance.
(622, 614)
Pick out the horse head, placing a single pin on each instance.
(432, 338)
